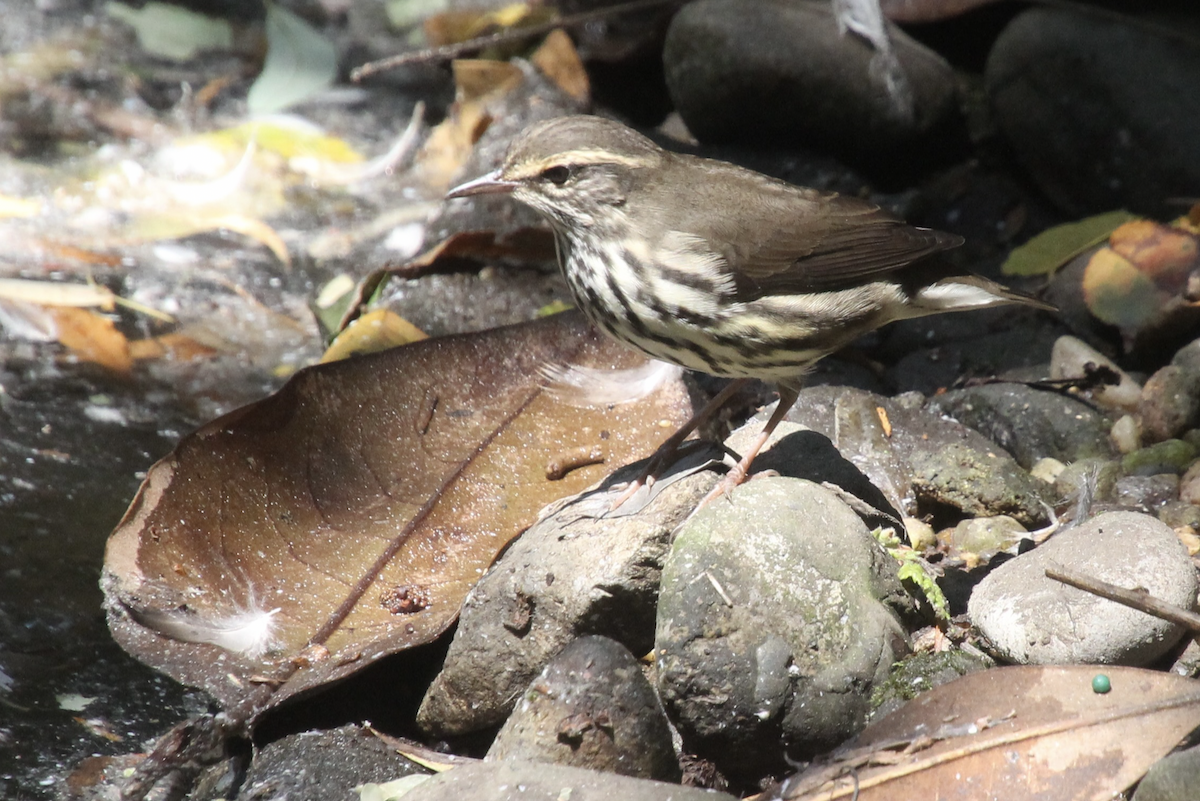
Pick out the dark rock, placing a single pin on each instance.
(1103, 113)
(920, 462)
(771, 633)
(591, 708)
(537, 781)
(323, 764)
(1029, 423)
(978, 483)
(778, 72)
(1175, 777)
(1170, 402)
(1032, 619)
(1178, 514)
(570, 574)
(1147, 493)
(1169, 456)
(919, 673)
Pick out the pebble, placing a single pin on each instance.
(570, 573)
(772, 625)
(1175, 777)
(1189, 485)
(1170, 456)
(1170, 402)
(1126, 434)
(1029, 423)
(1069, 359)
(591, 708)
(1031, 619)
(1146, 493)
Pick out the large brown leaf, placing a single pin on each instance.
(382, 487)
(1015, 733)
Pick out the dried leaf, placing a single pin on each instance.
(1164, 253)
(300, 63)
(171, 32)
(1053, 248)
(345, 517)
(371, 333)
(1118, 293)
(1015, 733)
(560, 62)
(92, 338)
(177, 346)
(56, 293)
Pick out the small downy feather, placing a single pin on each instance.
(584, 387)
(249, 632)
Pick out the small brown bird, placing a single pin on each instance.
(718, 268)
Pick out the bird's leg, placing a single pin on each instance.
(666, 452)
(737, 474)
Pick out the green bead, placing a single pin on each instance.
(1101, 684)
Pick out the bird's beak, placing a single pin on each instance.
(489, 184)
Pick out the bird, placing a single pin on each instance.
(721, 269)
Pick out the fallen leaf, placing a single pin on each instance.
(371, 333)
(91, 337)
(1051, 249)
(300, 63)
(559, 61)
(1015, 733)
(57, 293)
(301, 538)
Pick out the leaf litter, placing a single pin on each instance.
(295, 541)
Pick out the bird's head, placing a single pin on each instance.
(575, 171)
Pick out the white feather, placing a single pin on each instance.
(589, 386)
(249, 632)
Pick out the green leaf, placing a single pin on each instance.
(300, 63)
(1051, 249)
(172, 32)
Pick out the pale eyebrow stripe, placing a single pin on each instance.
(574, 157)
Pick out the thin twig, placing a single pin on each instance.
(1135, 599)
(452, 51)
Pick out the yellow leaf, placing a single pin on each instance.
(375, 331)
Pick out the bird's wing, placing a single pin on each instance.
(830, 242)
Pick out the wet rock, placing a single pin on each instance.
(778, 72)
(1146, 493)
(1088, 480)
(1029, 423)
(1170, 456)
(978, 484)
(537, 781)
(591, 708)
(1047, 469)
(771, 631)
(1101, 111)
(1170, 402)
(906, 453)
(978, 539)
(1178, 514)
(1189, 485)
(1175, 777)
(1126, 434)
(1070, 358)
(1031, 619)
(570, 574)
(323, 764)
(919, 673)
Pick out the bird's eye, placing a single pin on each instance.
(557, 175)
